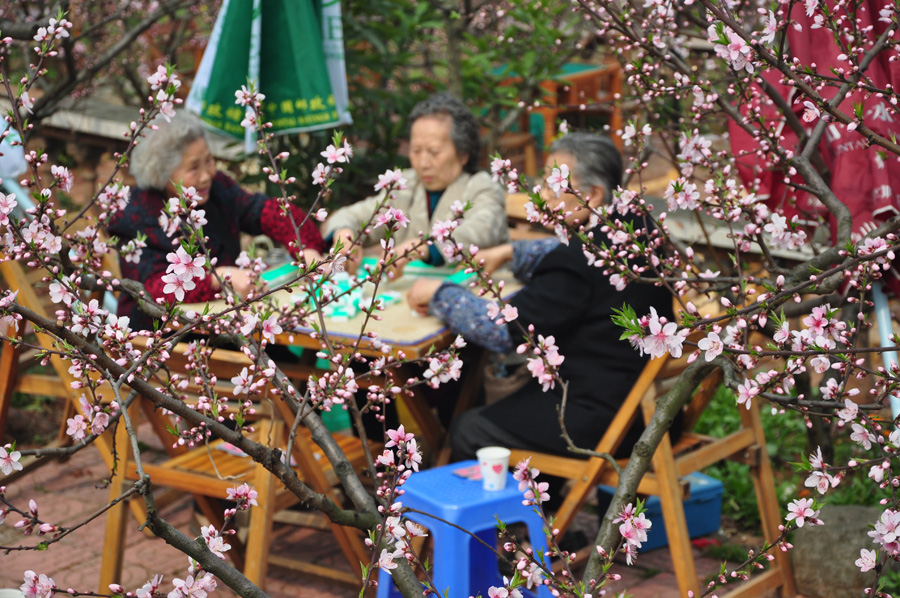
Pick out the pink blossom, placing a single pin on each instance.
(712, 344)
(509, 312)
(559, 179)
(412, 455)
(631, 132)
(391, 177)
(746, 392)
(251, 122)
(663, 338)
(271, 328)
(441, 229)
(539, 371)
(334, 154)
(821, 481)
(184, 266)
(523, 473)
(9, 460)
(244, 495)
(7, 203)
(811, 112)
(193, 588)
(876, 472)
(77, 427)
(802, 511)
(27, 102)
(63, 177)
(99, 423)
(682, 194)
(386, 560)
(887, 531)
(862, 436)
(250, 322)
(176, 286)
(392, 216)
(214, 541)
(320, 174)
(398, 436)
(867, 560)
(59, 293)
(771, 28)
(498, 165)
(248, 97)
(504, 591)
(811, 6)
(37, 586)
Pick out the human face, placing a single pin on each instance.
(432, 153)
(593, 196)
(196, 170)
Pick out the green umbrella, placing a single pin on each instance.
(280, 45)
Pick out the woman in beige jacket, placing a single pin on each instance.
(444, 148)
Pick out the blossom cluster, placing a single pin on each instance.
(633, 527)
(165, 83)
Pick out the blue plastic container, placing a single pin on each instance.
(703, 510)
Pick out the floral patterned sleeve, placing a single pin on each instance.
(466, 314)
(528, 254)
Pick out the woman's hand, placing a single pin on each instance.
(418, 250)
(311, 256)
(353, 253)
(494, 257)
(241, 280)
(420, 293)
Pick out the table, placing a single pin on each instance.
(403, 331)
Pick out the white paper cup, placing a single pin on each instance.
(494, 463)
(11, 593)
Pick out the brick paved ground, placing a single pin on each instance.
(66, 492)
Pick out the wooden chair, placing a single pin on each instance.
(594, 88)
(195, 472)
(670, 464)
(206, 472)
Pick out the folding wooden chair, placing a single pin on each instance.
(670, 464)
(193, 471)
(206, 472)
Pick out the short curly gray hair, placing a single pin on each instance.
(157, 156)
(464, 129)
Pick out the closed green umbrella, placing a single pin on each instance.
(278, 44)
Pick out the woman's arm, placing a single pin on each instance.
(466, 314)
(526, 255)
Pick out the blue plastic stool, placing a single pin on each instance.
(461, 564)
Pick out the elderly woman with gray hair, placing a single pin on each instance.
(177, 153)
(565, 298)
(444, 149)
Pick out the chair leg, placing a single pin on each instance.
(9, 358)
(114, 537)
(259, 537)
(767, 499)
(673, 512)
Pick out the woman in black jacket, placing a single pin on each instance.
(565, 298)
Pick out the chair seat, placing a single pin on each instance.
(218, 470)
